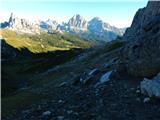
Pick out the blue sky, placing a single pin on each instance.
(118, 13)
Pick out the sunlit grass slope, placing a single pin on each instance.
(44, 42)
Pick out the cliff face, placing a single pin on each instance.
(141, 56)
(143, 20)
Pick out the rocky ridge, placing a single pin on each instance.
(22, 25)
(95, 29)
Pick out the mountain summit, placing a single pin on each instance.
(22, 25)
(78, 22)
(95, 29)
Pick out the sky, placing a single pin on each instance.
(118, 13)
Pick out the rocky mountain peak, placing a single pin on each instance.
(96, 24)
(97, 19)
(22, 25)
(94, 29)
(12, 17)
(77, 21)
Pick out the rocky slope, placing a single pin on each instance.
(141, 56)
(94, 85)
(95, 29)
(85, 88)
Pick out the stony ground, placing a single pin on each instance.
(117, 99)
(67, 97)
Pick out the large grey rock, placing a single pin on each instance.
(151, 87)
(141, 55)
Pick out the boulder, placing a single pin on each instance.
(151, 87)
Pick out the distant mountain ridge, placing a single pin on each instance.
(94, 29)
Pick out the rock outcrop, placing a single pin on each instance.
(141, 55)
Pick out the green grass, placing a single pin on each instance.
(44, 42)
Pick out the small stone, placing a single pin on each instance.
(69, 111)
(138, 91)
(60, 118)
(146, 100)
(81, 80)
(46, 113)
(76, 113)
(60, 101)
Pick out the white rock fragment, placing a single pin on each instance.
(69, 111)
(146, 100)
(92, 72)
(151, 87)
(105, 77)
(138, 91)
(46, 113)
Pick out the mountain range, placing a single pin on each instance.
(95, 29)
